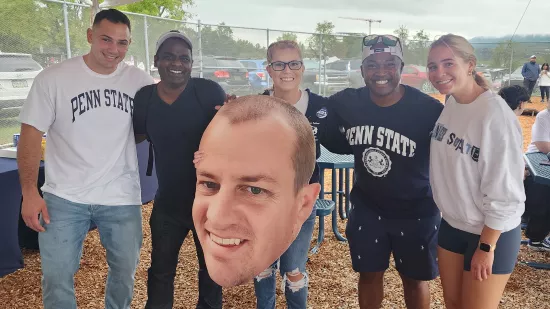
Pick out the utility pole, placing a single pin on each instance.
(370, 21)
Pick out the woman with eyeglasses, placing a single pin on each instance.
(476, 173)
(285, 67)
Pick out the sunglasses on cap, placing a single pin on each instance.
(388, 40)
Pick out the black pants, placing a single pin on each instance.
(168, 234)
(544, 92)
(529, 85)
(537, 210)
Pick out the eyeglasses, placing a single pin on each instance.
(388, 40)
(280, 65)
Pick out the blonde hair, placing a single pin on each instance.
(463, 49)
(284, 44)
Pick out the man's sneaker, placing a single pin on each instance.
(541, 246)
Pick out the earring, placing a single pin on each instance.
(469, 73)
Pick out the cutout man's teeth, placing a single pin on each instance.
(175, 72)
(225, 241)
(381, 82)
(444, 81)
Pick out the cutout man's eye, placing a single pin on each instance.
(255, 190)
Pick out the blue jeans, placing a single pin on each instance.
(61, 249)
(292, 262)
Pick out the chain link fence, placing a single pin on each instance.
(38, 34)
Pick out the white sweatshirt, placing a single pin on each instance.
(544, 79)
(476, 165)
(540, 132)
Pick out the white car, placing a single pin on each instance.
(17, 73)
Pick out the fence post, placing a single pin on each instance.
(67, 38)
(511, 63)
(200, 48)
(146, 40)
(320, 59)
(267, 74)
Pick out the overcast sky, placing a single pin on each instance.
(465, 17)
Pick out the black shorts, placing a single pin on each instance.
(413, 243)
(461, 242)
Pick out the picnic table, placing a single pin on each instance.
(342, 163)
(541, 175)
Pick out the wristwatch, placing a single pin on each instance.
(486, 247)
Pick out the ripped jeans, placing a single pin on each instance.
(292, 262)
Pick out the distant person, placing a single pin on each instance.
(537, 205)
(530, 72)
(544, 83)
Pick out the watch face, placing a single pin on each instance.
(485, 247)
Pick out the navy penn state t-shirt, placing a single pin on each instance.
(391, 147)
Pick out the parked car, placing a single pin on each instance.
(517, 79)
(155, 74)
(513, 79)
(326, 81)
(491, 79)
(228, 72)
(416, 76)
(352, 67)
(17, 73)
(257, 74)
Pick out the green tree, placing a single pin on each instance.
(323, 39)
(288, 36)
(417, 52)
(173, 9)
(22, 26)
(353, 46)
(220, 41)
(502, 55)
(403, 34)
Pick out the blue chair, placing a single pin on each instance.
(323, 208)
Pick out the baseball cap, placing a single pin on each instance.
(173, 34)
(374, 44)
(532, 57)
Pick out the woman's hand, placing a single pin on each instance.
(228, 97)
(198, 156)
(482, 264)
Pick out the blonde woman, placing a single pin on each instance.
(476, 173)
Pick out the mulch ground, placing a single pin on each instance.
(333, 284)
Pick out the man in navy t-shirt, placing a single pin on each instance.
(388, 126)
(174, 114)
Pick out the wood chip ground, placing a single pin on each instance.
(333, 284)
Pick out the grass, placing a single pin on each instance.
(8, 127)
